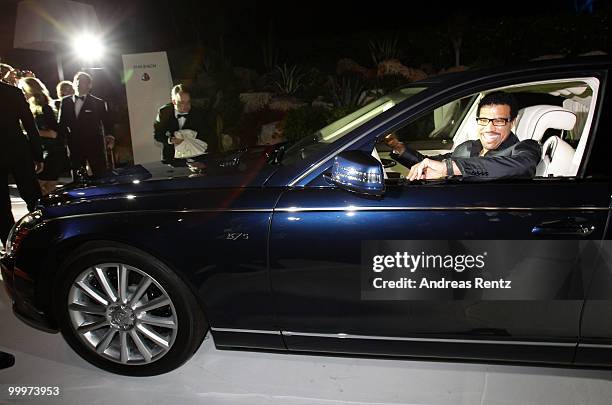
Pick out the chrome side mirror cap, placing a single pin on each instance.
(358, 172)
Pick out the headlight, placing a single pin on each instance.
(20, 230)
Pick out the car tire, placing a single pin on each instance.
(125, 311)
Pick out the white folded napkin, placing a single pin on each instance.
(191, 146)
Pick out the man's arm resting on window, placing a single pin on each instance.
(522, 163)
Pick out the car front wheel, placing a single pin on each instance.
(126, 312)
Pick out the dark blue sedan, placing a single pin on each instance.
(266, 247)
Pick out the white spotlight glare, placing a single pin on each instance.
(88, 47)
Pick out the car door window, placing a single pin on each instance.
(432, 133)
(544, 108)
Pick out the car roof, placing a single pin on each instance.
(542, 66)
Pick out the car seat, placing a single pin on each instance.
(556, 153)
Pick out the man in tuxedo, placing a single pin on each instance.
(20, 155)
(84, 122)
(177, 115)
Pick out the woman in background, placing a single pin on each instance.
(63, 89)
(53, 147)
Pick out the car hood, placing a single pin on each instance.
(246, 168)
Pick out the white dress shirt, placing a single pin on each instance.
(181, 120)
(78, 104)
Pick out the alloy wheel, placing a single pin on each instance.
(123, 314)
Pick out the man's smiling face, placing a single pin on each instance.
(492, 136)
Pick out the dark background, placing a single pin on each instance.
(215, 37)
(317, 33)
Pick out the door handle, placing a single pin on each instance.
(563, 230)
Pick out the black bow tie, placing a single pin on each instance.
(181, 115)
(82, 98)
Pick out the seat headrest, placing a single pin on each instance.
(535, 120)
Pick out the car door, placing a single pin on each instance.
(595, 344)
(319, 233)
(316, 245)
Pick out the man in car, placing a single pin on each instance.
(497, 154)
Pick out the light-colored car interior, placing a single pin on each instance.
(557, 155)
(561, 124)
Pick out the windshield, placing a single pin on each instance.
(337, 129)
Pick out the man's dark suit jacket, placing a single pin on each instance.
(166, 123)
(15, 109)
(17, 154)
(85, 133)
(513, 159)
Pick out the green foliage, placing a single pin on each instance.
(305, 121)
(269, 55)
(384, 49)
(287, 79)
(348, 91)
(228, 106)
(390, 82)
(340, 112)
(269, 50)
(315, 84)
(249, 126)
(204, 70)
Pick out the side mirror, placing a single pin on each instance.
(358, 172)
